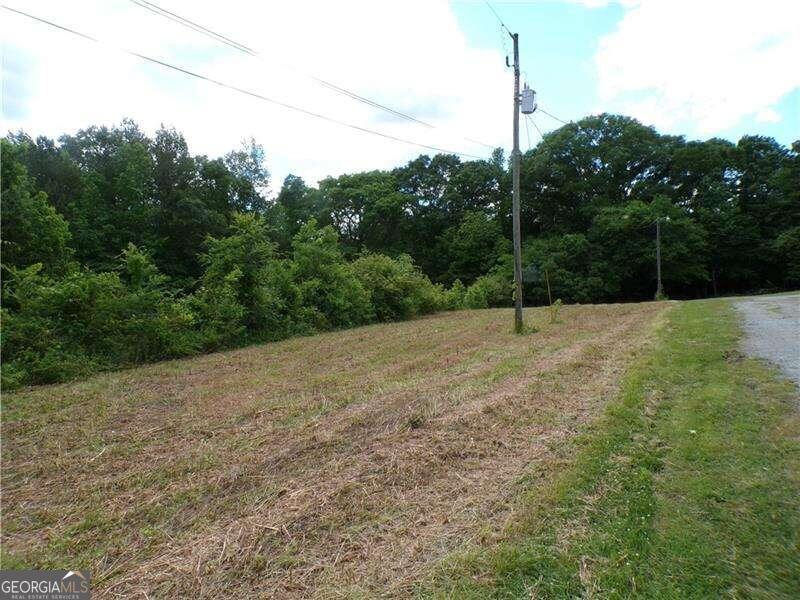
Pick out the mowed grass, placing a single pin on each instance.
(688, 487)
(340, 465)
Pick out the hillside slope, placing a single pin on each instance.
(686, 488)
(342, 463)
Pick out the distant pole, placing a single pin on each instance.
(518, 324)
(659, 288)
(549, 295)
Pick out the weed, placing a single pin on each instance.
(554, 309)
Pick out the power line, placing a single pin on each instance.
(242, 90)
(154, 8)
(552, 116)
(196, 26)
(562, 121)
(503, 25)
(541, 135)
(56, 25)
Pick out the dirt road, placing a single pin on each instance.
(772, 331)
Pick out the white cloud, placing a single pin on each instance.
(702, 66)
(768, 115)
(604, 3)
(384, 51)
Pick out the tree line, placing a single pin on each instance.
(120, 248)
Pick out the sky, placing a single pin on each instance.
(699, 68)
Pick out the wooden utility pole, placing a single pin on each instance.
(518, 324)
(659, 287)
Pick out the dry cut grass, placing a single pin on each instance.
(340, 465)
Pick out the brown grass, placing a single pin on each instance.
(341, 465)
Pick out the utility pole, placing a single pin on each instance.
(518, 324)
(659, 288)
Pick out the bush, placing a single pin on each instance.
(453, 299)
(567, 262)
(397, 288)
(487, 291)
(69, 327)
(154, 324)
(220, 315)
(56, 329)
(329, 289)
(554, 309)
(237, 262)
(34, 354)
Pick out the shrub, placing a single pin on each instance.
(453, 298)
(34, 354)
(45, 339)
(280, 303)
(488, 290)
(251, 294)
(220, 315)
(153, 323)
(69, 327)
(567, 262)
(329, 289)
(397, 288)
(248, 252)
(554, 309)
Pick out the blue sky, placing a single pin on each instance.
(685, 66)
(558, 41)
(558, 45)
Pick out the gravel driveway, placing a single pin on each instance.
(772, 331)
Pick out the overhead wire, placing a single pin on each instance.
(196, 26)
(498, 17)
(552, 116)
(562, 121)
(241, 90)
(180, 20)
(541, 135)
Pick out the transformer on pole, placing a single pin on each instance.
(527, 100)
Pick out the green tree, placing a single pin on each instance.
(582, 168)
(787, 253)
(298, 204)
(571, 264)
(328, 286)
(472, 248)
(33, 231)
(245, 261)
(366, 210)
(250, 177)
(624, 239)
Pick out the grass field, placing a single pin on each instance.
(626, 450)
(687, 487)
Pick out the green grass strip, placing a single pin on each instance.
(688, 487)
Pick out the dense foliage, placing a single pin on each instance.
(118, 248)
